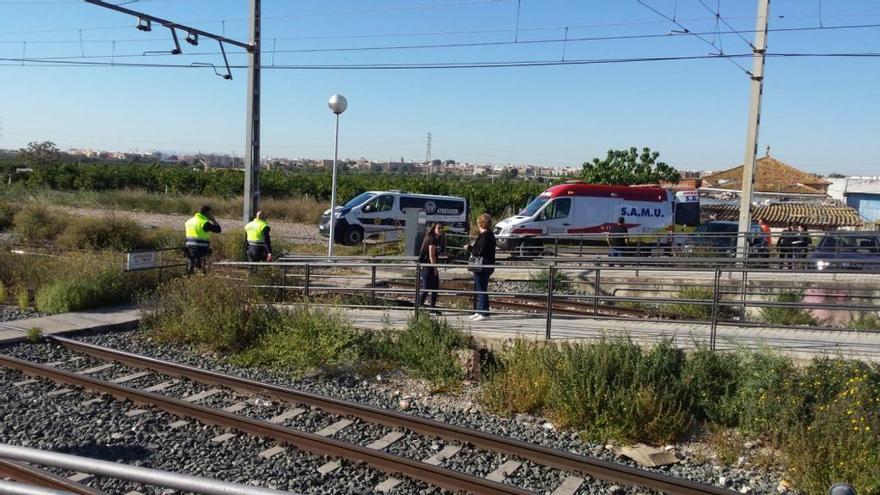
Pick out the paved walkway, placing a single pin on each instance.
(97, 319)
(802, 344)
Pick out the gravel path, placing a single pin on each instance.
(12, 313)
(460, 411)
(297, 232)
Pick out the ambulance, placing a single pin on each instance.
(574, 210)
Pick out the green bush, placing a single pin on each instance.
(520, 382)
(540, 282)
(426, 348)
(118, 234)
(786, 315)
(4, 293)
(712, 378)
(22, 298)
(208, 311)
(691, 310)
(304, 339)
(37, 223)
(865, 321)
(107, 287)
(7, 214)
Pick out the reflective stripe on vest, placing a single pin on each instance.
(195, 230)
(254, 231)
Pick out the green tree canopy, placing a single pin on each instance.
(629, 167)
(40, 153)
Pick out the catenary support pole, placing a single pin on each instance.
(330, 242)
(757, 75)
(252, 141)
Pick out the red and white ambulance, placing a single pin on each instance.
(576, 209)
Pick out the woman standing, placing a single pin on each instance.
(430, 277)
(483, 249)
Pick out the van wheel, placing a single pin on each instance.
(353, 236)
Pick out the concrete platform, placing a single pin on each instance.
(797, 343)
(120, 317)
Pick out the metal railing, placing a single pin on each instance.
(600, 290)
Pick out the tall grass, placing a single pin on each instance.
(426, 348)
(781, 315)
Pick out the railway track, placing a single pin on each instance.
(428, 469)
(26, 473)
(531, 304)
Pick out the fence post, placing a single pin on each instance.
(580, 247)
(418, 283)
(306, 282)
(550, 283)
(596, 291)
(556, 246)
(713, 330)
(373, 285)
(744, 287)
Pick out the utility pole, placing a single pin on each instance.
(252, 142)
(757, 74)
(429, 169)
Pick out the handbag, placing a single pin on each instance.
(475, 263)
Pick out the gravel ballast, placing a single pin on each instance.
(379, 393)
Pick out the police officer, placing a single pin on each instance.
(259, 244)
(198, 238)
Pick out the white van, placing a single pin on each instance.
(576, 208)
(376, 212)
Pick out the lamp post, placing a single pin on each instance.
(337, 105)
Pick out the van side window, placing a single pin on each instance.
(557, 209)
(380, 204)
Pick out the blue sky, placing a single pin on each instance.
(819, 114)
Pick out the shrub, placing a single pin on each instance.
(712, 378)
(865, 321)
(691, 310)
(107, 287)
(7, 214)
(22, 298)
(114, 233)
(304, 339)
(37, 223)
(208, 311)
(4, 292)
(540, 282)
(782, 315)
(766, 399)
(520, 382)
(426, 348)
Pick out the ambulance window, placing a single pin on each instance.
(379, 204)
(559, 208)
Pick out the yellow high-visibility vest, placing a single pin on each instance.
(254, 231)
(195, 230)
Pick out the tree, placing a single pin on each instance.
(629, 167)
(40, 153)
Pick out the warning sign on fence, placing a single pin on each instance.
(141, 260)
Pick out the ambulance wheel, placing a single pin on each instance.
(353, 236)
(530, 248)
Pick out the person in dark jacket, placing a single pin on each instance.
(617, 238)
(430, 276)
(784, 246)
(801, 243)
(483, 247)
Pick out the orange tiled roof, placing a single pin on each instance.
(772, 176)
(814, 216)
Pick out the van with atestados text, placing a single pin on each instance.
(378, 212)
(577, 209)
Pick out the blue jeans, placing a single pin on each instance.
(481, 284)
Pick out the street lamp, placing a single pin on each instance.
(337, 105)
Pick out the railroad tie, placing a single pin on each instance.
(569, 486)
(81, 477)
(60, 391)
(385, 441)
(24, 382)
(135, 412)
(134, 493)
(234, 408)
(439, 457)
(92, 401)
(161, 386)
(387, 485)
(54, 364)
(202, 395)
(96, 369)
(503, 471)
(178, 424)
(272, 452)
(129, 377)
(334, 428)
(277, 420)
(329, 467)
(222, 438)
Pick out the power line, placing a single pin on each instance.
(457, 45)
(718, 16)
(441, 65)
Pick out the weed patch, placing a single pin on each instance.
(37, 223)
(782, 315)
(426, 348)
(109, 232)
(540, 282)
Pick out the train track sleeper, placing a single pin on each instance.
(96, 369)
(387, 485)
(178, 424)
(285, 416)
(334, 428)
(569, 486)
(447, 452)
(202, 395)
(329, 467)
(237, 407)
(224, 437)
(272, 452)
(503, 471)
(129, 377)
(81, 477)
(385, 441)
(60, 391)
(91, 401)
(161, 386)
(134, 412)
(22, 383)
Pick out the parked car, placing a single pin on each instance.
(854, 250)
(719, 238)
(375, 212)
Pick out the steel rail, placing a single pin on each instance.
(33, 475)
(310, 442)
(608, 471)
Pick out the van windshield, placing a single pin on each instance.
(534, 206)
(360, 198)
